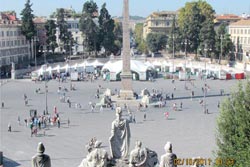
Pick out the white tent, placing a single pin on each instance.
(65, 68)
(116, 67)
(57, 68)
(96, 63)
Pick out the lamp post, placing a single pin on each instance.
(206, 49)
(173, 56)
(186, 42)
(221, 38)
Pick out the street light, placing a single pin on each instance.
(221, 38)
(186, 42)
(206, 49)
(173, 56)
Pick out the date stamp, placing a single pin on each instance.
(204, 161)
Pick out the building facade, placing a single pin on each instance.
(13, 45)
(240, 35)
(73, 27)
(40, 22)
(159, 22)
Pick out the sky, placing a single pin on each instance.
(137, 7)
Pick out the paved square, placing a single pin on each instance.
(190, 130)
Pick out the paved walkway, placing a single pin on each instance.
(190, 130)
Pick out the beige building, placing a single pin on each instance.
(13, 45)
(159, 22)
(73, 27)
(240, 35)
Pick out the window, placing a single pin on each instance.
(245, 31)
(241, 31)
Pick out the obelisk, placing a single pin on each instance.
(126, 76)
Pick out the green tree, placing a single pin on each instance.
(156, 41)
(207, 37)
(62, 26)
(223, 44)
(89, 28)
(191, 20)
(106, 34)
(118, 37)
(233, 127)
(50, 27)
(138, 33)
(139, 41)
(28, 28)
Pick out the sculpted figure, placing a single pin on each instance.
(96, 157)
(142, 157)
(167, 160)
(120, 136)
(40, 159)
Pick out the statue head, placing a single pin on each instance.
(138, 144)
(168, 147)
(118, 111)
(40, 148)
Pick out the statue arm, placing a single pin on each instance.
(112, 131)
(162, 162)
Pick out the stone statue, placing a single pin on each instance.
(120, 136)
(167, 160)
(142, 157)
(40, 159)
(97, 157)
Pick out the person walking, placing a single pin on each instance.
(101, 109)
(181, 105)
(145, 116)
(9, 127)
(68, 122)
(19, 120)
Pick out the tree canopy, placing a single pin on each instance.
(195, 19)
(233, 128)
(89, 27)
(156, 41)
(106, 34)
(28, 28)
(50, 27)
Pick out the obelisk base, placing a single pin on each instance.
(126, 93)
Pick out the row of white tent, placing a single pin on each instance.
(85, 66)
(114, 67)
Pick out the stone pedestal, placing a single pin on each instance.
(126, 93)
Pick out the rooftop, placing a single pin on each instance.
(243, 22)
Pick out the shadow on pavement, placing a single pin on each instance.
(9, 162)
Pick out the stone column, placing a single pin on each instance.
(126, 76)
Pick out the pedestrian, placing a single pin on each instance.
(68, 122)
(55, 110)
(58, 122)
(19, 120)
(134, 119)
(101, 109)
(2, 104)
(172, 95)
(166, 115)
(9, 127)
(145, 116)
(26, 122)
(69, 103)
(181, 105)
